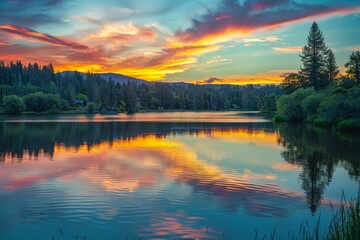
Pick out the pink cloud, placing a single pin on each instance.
(29, 34)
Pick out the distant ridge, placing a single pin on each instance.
(120, 78)
(116, 77)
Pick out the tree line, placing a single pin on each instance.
(38, 89)
(318, 93)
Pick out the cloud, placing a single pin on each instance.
(126, 11)
(270, 77)
(270, 39)
(29, 34)
(212, 80)
(155, 66)
(29, 13)
(30, 20)
(113, 47)
(353, 48)
(123, 33)
(47, 3)
(100, 40)
(233, 19)
(293, 49)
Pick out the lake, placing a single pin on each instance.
(194, 175)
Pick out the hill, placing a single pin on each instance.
(116, 77)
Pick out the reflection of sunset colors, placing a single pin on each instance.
(113, 180)
(242, 135)
(172, 40)
(177, 224)
(127, 165)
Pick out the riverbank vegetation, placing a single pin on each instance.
(318, 93)
(344, 225)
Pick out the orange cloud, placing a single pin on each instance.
(151, 66)
(271, 77)
(152, 52)
(293, 49)
(28, 34)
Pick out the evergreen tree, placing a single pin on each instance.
(131, 98)
(353, 66)
(313, 58)
(332, 70)
(291, 83)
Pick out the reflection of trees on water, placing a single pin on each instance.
(17, 139)
(319, 152)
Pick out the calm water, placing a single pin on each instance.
(168, 176)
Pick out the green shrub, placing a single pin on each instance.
(311, 104)
(91, 108)
(277, 118)
(35, 102)
(64, 104)
(41, 102)
(269, 103)
(341, 104)
(290, 107)
(13, 104)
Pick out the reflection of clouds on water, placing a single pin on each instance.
(177, 224)
(126, 166)
(167, 180)
(286, 167)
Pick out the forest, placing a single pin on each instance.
(318, 93)
(39, 89)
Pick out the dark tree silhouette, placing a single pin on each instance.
(318, 153)
(313, 58)
(331, 70)
(353, 66)
(291, 82)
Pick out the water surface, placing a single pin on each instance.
(168, 176)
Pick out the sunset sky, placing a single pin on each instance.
(204, 41)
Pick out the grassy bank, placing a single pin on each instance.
(344, 225)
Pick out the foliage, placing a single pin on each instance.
(353, 66)
(81, 96)
(346, 82)
(91, 108)
(13, 104)
(319, 68)
(344, 225)
(311, 104)
(291, 83)
(336, 101)
(331, 68)
(313, 58)
(346, 222)
(113, 96)
(335, 106)
(340, 105)
(269, 104)
(290, 107)
(41, 102)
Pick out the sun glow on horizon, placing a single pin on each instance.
(159, 45)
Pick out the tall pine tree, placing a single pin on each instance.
(313, 58)
(332, 69)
